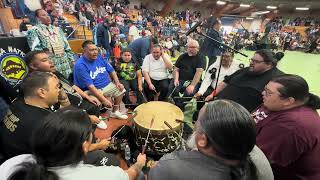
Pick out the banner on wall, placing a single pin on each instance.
(13, 68)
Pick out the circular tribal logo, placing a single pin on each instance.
(13, 68)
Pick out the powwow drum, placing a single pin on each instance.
(162, 139)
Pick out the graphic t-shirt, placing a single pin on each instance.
(92, 72)
(127, 70)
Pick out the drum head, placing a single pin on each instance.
(160, 111)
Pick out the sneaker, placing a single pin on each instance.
(102, 125)
(118, 115)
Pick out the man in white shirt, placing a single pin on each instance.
(133, 32)
(155, 69)
(228, 67)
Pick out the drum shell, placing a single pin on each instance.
(160, 142)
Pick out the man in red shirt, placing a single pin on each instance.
(288, 128)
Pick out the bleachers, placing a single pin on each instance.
(82, 32)
(75, 45)
(8, 21)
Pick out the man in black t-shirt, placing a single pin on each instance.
(187, 73)
(246, 85)
(41, 91)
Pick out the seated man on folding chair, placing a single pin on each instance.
(187, 74)
(155, 69)
(92, 74)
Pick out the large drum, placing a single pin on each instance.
(162, 139)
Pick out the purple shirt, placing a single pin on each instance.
(291, 141)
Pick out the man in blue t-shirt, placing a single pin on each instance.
(91, 74)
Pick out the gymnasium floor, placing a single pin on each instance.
(302, 64)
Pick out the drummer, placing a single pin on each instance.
(229, 65)
(220, 147)
(187, 73)
(155, 69)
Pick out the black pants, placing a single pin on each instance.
(133, 85)
(161, 86)
(201, 104)
(207, 93)
(181, 88)
(84, 104)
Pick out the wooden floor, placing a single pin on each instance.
(112, 124)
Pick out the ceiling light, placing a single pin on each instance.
(261, 12)
(249, 18)
(245, 5)
(271, 7)
(221, 2)
(302, 8)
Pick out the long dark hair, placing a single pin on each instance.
(297, 87)
(231, 132)
(56, 142)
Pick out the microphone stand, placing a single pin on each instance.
(224, 46)
(221, 43)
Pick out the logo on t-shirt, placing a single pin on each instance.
(259, 115)
(10, 121)
(127, 71)
(99, 70)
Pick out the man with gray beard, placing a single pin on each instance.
(222, 146)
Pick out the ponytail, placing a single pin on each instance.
(278, 56)
(246, 170)
(33, 171)
(270, 57)
(313, 101)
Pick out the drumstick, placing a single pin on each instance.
(129, 119)
(170, 127)
(194, 101)
(155, 91)
(178, 97)
(133, 116)
(145, 143)
(180, 121)
(172, 91)
(144, 98)
(117, 132)
(130, 104)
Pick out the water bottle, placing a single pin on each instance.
(127, 154)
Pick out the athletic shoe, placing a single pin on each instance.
(118, 115)
(102, 125)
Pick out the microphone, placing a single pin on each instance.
(191, 30)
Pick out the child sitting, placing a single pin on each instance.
(130, 75)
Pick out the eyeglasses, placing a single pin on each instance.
(256, 61)
(269, 93)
